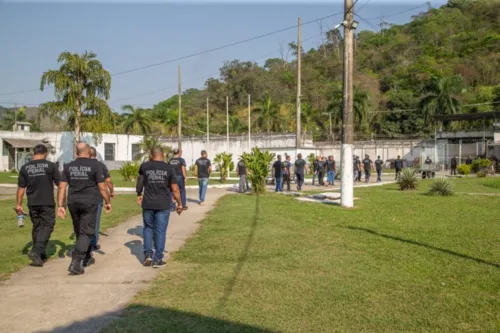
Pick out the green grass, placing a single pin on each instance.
(398, 262)
(15, 242)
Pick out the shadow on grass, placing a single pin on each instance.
(409, 241)
(51, 248)
(152, 319)
(228, 290)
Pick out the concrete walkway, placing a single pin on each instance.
(48, 299)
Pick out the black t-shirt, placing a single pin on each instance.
(468, 161)
(330, 165)
(321, 166)
(356, 164)
(242, 168)
(378, 164)
(203, 164)
(178, 163)
(454, 162)
(299, 166)
(399, 164)
(367, 164)
(155, 178)
(428, 161)
(316, 165)
(82, 176)
(278, 168)
(39, 177)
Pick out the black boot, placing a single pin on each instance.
(89, 260)
(36, 260)
(75, 267)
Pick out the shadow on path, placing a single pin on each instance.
(51, 248)
(409, 241)
(137, 231)
(136, 249)
(228, 290)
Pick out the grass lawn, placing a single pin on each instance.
(398, 262)
(15, 242)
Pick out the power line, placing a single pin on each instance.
(394, 14)
(373, 26)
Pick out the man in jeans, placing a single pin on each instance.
(202, 170)
(156, 183)
(85, 180)
(94, 242)
(278, 174)
(299, 171)
(241, 171)
(331, 170)
(179, 165)
(378, 166)
(37, 179)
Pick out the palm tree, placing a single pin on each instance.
(147, 143)
(360, 105)
(81, 87)
(165, 119)
(268, 114)
(440, 96)
(136, 121)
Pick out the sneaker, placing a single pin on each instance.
(75, 267)
(184, 208)
(159, 263)
(96, 247)
(88, 262)
(44, 257)
(147, 261)
(36, 259)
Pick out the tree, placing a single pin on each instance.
(136, 121)
(268, 114)
(147, 143)
(223, 161)
(360, 104)
(81, 88)
(440, 96)
(11, 116)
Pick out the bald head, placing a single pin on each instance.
(93, 153)
(157, 154)
(83, 150)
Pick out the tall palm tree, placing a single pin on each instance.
(360, 105)
(136, 120)
(268, 113)
(147, 143)
(440, 96)
(81, 87)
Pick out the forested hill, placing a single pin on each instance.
(453, 51)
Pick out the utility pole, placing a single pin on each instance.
(331, 131)
(347, 190)
(249, 126)
(299, 93)
(208, 128)
(179, 120)
(227, 122)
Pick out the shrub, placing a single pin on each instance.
(407, 179)
(464, 169)
(223, 161)
(480, 164)
(129, 171)
(257, 164)
(311, 158)
(441, 186)
(482, 173)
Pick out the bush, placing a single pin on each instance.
(407, 179)
(257, 164)
(129, 171)
(482, 173)
(442, 186)
(464, 169)
(223, 161)
(480, 164)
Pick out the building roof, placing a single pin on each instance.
(23, 143)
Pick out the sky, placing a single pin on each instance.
(127, 35)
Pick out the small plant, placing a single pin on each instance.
(407, 179)
(129, 171)
(257, 163)
(464, 169)
(442, 187)
(480, 164)
(482, 173)
(223, 161)
(311, 158)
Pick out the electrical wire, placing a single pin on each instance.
(373, 26)
(394, 14)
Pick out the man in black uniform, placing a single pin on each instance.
(299, 171)
(85, 179)
(321, 171)
(37, 178)
(156, 184)
(378, 166)
(398, 164)
(278, 174)
(453, 165)
(179, 165)
(468, 161)
(202, 171)
(315, 167)
(368, 166)
(94, 242)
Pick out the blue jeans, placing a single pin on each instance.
(155, 231)
(379, 175)
(95, 239)
(279, 180)
(203, 183)
(331, 177)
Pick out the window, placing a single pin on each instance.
(109, 151)
(136, 151)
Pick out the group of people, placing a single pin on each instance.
(85, 188)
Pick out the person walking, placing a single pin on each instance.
(202, 171)
(94, 242)
(286, 172)
(331, 170)
(241, 171)
(379, 166)
(278, 174)
(453, 165)
(299, 171)
(37, 179)
(315, 168)
(156, 184)
(84, 179)
(321, 171)
(356, 168)
(179, 165)
(398, 164)
(367, 166)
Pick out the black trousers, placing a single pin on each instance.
(44, 220)
(453, 169)
(84, 219)
(321, 176)
(300, 179)
(286, 180)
